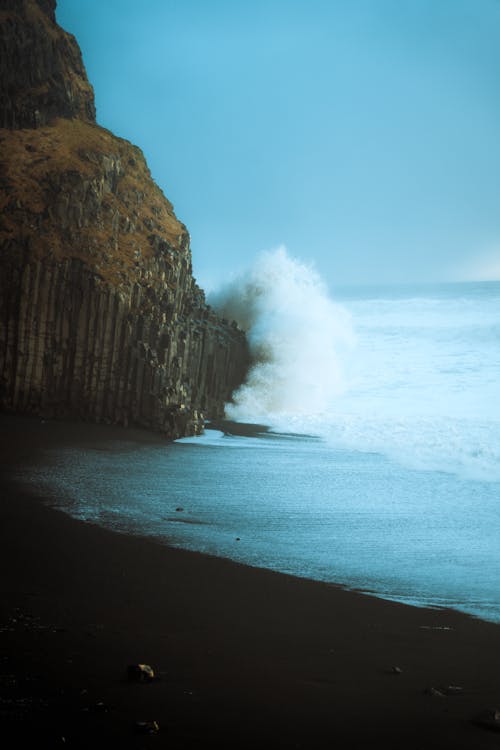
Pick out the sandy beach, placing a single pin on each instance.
(243, 657)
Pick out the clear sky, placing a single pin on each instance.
(362, 134)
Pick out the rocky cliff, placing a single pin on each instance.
(100, 317)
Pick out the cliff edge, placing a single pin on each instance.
(100, 317)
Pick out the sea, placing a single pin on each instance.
(374, 460)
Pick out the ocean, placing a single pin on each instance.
(380, 467)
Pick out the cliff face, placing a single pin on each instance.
(41, 70)
(100, 317)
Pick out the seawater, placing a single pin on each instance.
(391, 486)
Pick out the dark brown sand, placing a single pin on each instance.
(246, 658)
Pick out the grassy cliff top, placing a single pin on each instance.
(73, 189)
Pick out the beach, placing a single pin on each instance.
(242, 657)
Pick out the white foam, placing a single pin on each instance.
(418, 381)
(299, 337)
(467, 448)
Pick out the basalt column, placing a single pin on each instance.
(100, 317)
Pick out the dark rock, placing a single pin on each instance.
(434, 692)
(140, 673)
(42, 75)
(452, 690)
(488, 719)
(444, 692)
(100, 317)
(147, 727)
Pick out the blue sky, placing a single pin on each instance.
(364, 135)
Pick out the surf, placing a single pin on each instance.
(410, 373)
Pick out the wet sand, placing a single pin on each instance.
(244, 657)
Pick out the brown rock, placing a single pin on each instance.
(100, 317)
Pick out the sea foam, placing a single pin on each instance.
(299, 338)
(409, 375)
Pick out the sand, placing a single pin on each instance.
(245, 658)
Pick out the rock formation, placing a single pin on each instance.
(100, 317)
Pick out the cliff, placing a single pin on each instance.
(100, 317)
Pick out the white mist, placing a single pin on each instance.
(299, 338)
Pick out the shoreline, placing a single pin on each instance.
(294, 661)
(33, 434)
(247, 657)
(239, 429)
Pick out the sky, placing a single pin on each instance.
(363, 135)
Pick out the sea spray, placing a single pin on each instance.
(420, 384)
(299, 338)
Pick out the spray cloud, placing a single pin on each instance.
(298, 337)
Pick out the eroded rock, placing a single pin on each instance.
(100, 316)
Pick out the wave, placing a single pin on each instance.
(466, 448)
(299, 338)
(414, 379)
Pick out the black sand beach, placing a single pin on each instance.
(244, 657)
